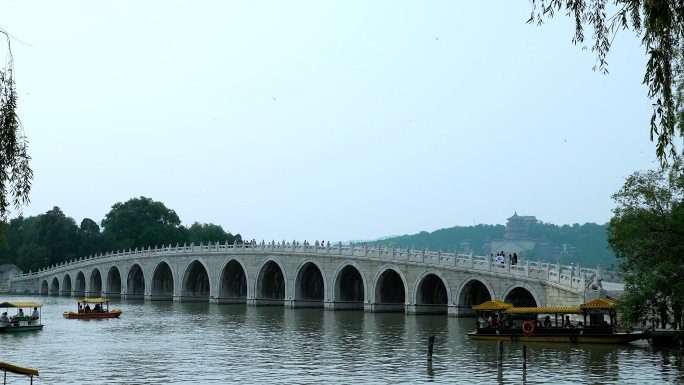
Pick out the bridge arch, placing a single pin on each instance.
(135, 282)
(80, 284)
(162, 281)
(309, 284)
(54, 286)
(95, 286)
(66, 285)
(271, 288)
(474, 290)
(113, 283)
(234, 282)
(196, 283)
(349, 286)
(521, 294)
(44, 289)
(391, 290)
(432, 294)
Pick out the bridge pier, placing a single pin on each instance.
(228, 300)
(459, 311)
(385, 307)
(426, 309)
(265, 302)
(343, 305)
(303, 304)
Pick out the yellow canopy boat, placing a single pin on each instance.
(595, 323)
(99, 310)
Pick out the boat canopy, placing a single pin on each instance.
(20, 304)
(93, 300)
(545, 310)
(599, 303)
(493, 305)
(17, 369)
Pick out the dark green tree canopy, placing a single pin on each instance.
(660, 25)
(207, 232)
(647, 235)
(141, 223)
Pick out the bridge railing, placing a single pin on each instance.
(569, 276)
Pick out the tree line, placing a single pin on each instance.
(585, 244)
(50, 238)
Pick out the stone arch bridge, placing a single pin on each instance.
(338, 277)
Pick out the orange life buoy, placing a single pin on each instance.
(528, 328)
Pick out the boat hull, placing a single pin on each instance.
(111, 314)
(17, 329)
(577, 338)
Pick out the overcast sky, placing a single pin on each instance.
(322, 120)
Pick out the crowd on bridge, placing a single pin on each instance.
(500, 258)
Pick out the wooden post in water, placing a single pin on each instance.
(524, 356)
(431, 344)
(499, 354)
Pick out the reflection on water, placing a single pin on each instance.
(193, 343)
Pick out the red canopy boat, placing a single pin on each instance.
(100, 309)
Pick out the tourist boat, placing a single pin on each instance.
(100, 309)
(5, 367)
(594, 323)
(26, 318)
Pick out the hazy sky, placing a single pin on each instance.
(324, 120)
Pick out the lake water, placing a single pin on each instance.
(191, 343)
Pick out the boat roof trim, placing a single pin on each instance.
(493, 305)
(20, 304)
(18, 369)
(545, 310)
(599, 303)
(93, 300)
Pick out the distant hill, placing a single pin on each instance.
(585, 244)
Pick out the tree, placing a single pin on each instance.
(207, 232)
(647, 235)
(142, 222)
(88, 237)
(660, 24)
(15, 173)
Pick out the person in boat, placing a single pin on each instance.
(567, 324)
(580, 325)
(482, 322)
(513, 326)
(97, 308)
(4, 317)
(21, 313)
(35, 314)
(547, 321)
(493, 320)
(80, 308)
(87, 308)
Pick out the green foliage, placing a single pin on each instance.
(51, 238)
(586, 244)
(207, 232)
(141, 223)
(89, 237)
(15, 173)
(647, 235)
(449, 239)
(660, 24)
